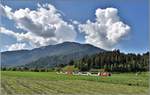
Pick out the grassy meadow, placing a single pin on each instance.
(50, 83)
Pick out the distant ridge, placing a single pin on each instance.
(71, 50)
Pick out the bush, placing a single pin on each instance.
(14, 69)
(3, 69)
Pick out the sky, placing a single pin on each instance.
(107, 24)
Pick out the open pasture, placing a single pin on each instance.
(50, 83)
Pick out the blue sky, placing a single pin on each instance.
(134, 13)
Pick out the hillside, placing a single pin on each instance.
(69, 50)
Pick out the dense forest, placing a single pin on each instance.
(114, 61)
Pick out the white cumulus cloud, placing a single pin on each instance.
(16, 46)
(43, 26)
(106, 31)
(32, 39)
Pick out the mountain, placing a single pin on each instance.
(52, 53)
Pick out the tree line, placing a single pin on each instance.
(114, 61)
(27, 69)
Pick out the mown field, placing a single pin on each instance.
(50, 83)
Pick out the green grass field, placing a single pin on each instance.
(50, 83)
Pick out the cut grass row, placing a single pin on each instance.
(126, 79)
(52, 84)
